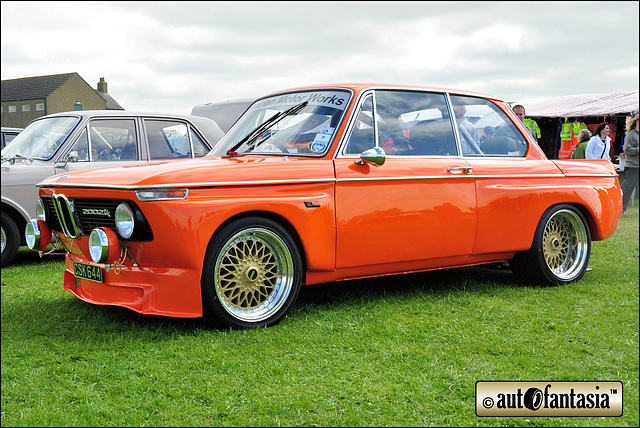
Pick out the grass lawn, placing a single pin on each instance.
(394, 351)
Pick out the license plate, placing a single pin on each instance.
(87, 271)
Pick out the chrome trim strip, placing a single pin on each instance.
(319, 180)
(189, 185)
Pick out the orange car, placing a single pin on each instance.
(326, 183)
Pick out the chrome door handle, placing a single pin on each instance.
(456, 170)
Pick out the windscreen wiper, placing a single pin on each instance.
(265, 125)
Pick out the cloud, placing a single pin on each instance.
(170, 56)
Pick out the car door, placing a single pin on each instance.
(172, 139)
(421, 203)
(512, 188)
(103, 142)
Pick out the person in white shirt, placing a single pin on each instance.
(600, 144)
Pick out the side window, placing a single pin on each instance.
(167, 139)
(8, 137)
(112, 140)
(81, 147)
(362, 137)
(199, 148)
(485, 130)
(414, 124)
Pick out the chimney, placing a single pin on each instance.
(102, 86)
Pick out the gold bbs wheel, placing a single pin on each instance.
(560, 250)
(255, 274)
(565, 244)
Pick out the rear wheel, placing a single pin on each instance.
(560, 251)
(10, 239)
(252, 274)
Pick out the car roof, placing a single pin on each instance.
(359, 87)
(208, 126)
(120, 113)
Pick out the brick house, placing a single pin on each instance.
(28, 98)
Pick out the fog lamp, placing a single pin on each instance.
(104, 245)
(37, 234)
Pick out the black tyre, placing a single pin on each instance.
(560, 251)
(251, 275)
(10, 239)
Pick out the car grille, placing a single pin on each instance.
(77, 217)
(85, 214)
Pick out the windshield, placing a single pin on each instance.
(41, 138)
(305, 125)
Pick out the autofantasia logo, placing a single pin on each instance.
(549, 398)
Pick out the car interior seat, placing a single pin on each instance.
(499, 146)
(431, 138)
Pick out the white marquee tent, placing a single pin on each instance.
(586, 105)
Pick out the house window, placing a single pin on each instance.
(40, 107)
(12, 109)
(26, 107)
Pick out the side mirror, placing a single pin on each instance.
(375, 156)
(71, 157)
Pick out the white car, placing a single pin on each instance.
(78, 140)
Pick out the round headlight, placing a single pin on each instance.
(125, 220)
(40, 212)
(103, 245)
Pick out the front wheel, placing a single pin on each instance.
(560, 251)
(252, 274)
(10, 239)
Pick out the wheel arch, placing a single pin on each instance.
(282, 221)
(589, 216)
(17, 216)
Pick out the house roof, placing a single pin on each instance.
(586, 105)
(111, 103)
(29, 88)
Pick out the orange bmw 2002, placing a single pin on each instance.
(320, 184)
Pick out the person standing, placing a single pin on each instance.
(583, 139)
(630, 148)
(460, 112)
(600, 144)
(519, 111)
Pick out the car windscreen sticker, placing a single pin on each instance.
(321, 140)
(335, 99)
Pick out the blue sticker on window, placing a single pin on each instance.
(318, 146)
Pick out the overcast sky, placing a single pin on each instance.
(170, 56)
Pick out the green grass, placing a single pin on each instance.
(393, 351)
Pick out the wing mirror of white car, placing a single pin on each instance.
(71, 157)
